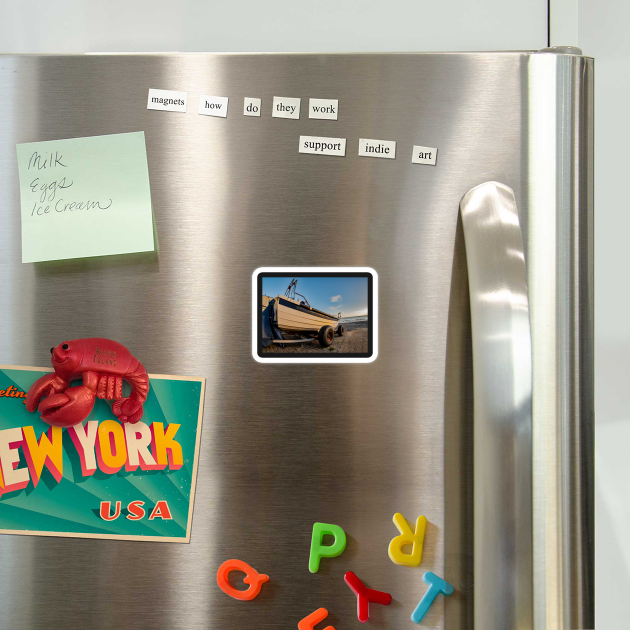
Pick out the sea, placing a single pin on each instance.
(359, 318)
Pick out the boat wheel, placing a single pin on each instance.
(326, 336)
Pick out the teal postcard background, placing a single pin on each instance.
(72, 505)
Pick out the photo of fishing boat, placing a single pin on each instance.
(292, 313)
(313, 314)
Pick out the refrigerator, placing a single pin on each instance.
(476, 408)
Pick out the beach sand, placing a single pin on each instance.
(355, 339)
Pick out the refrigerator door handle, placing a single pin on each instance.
(502, 374)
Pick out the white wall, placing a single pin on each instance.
(604, 27)
(270, 25)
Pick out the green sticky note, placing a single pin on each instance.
(85, 197)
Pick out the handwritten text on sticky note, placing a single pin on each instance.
(85, 197)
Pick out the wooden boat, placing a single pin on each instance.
(297, 316)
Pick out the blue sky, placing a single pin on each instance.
(332, 295)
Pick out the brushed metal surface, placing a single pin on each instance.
(560, 275)
(282, 446)
(502, 368)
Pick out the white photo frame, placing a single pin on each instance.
(316, 359)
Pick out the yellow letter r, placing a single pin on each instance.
(407, 537)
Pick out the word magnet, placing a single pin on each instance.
(319, 550)
(252, 577)
(365, 595)
(424, 155)
(322, 146)
(377, 148)
(285, 107)
(323, 108)
(251, 106)
(407, 537)
(167, 100)
(213, 106)
(436, 586)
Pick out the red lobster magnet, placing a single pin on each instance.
(103, 364)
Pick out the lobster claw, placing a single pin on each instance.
(43, 386)
(128, 410)
(68, 408)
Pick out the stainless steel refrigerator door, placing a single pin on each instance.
(285, 446)
(502, 375)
